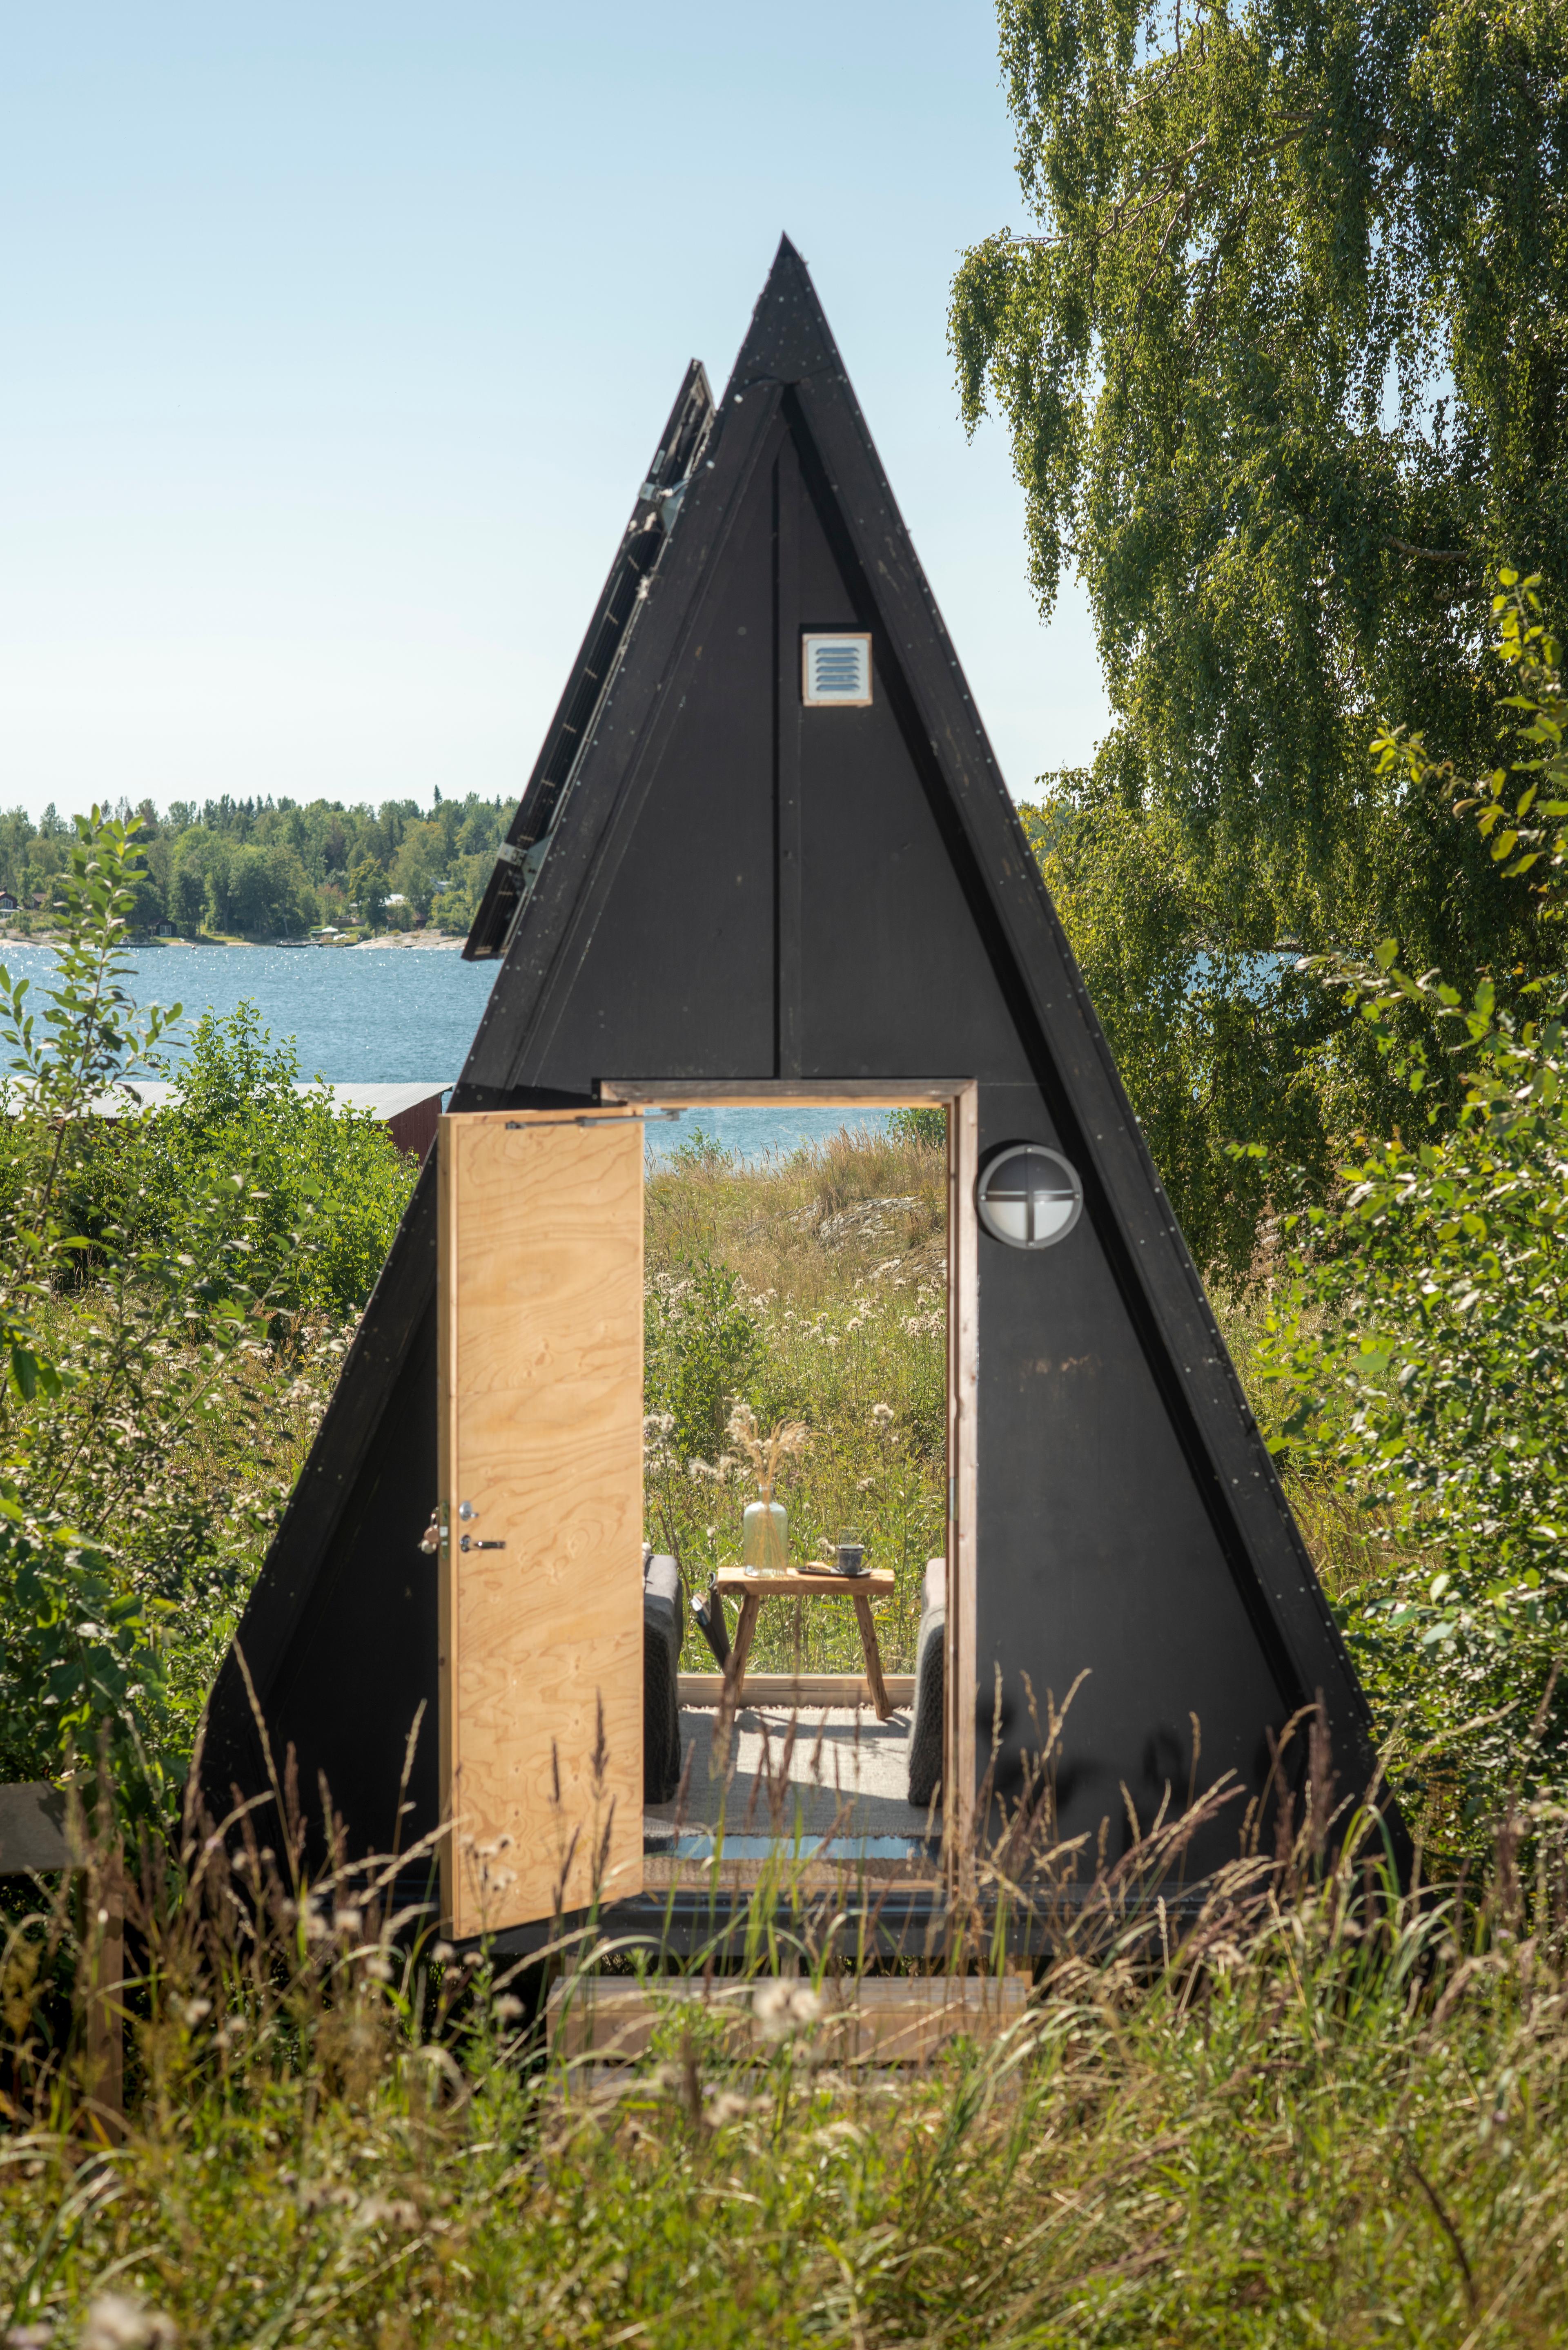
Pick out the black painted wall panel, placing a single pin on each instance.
(895, 978)
(663, 942)
(363, 1657)
(681, 979)
(1095, 1552)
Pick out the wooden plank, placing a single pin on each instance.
(101, 1983)
(959, 1677)
(880, 2020)
(785, 1093)
(789, 846)
(541, 1436)
(741, 1647)
(793, 1582)
(799, 1691)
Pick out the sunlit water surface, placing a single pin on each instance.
(389, 1016)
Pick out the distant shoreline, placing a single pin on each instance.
(408, 942)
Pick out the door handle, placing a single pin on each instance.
(472, 1542)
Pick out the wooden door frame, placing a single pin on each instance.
(959, 1097)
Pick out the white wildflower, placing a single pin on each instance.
(113, 2323)
(782, 2008)
(377, 2211)
(769, 2005)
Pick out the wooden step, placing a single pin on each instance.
(805, 1692)
(877, 2020)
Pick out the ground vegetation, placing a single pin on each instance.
(1303, 2109)
(176, 1291)
(808, 1288)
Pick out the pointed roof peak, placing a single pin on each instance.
(789, 336)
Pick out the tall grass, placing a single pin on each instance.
(1300, 2109)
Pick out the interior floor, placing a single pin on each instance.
(842, 1775)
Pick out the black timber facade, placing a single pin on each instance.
(708, 881)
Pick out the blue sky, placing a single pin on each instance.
(337, 339)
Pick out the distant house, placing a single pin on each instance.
(7, 902)
(164, 930)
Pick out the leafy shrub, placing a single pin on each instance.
(153, 1365)
(928, 1126)
(236, 1104)
(699, 1342)
(1417, 1353)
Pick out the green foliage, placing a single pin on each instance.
(237, 1104)
(1418, 1354)
(926, 1127)
(267, 869)
(368, 889)
(77, 1660)
(1268, 239)
(699, 1343)
(303, 1161)
(131, 1346)
(1210, 1043)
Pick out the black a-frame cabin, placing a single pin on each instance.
(766, 856)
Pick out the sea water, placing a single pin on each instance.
(392, 1015)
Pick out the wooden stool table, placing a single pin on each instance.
(793, 1582)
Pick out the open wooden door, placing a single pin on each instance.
(540, 1320)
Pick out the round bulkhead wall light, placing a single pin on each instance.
(1028, 1197)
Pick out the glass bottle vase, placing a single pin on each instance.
(765, 1537)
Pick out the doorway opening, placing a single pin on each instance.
(808, 1261)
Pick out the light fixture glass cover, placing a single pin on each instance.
(1029, 1197)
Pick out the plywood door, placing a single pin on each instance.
(541, 1437)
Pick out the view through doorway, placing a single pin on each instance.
(798, 1358)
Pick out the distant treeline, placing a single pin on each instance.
(272, 868)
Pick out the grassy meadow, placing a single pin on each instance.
(1311, 2113)
(813, 1287)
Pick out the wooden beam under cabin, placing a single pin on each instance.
(805, 1692)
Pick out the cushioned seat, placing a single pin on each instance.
(925, 1729)
(661, 1633)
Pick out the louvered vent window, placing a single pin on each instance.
(838, 669)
